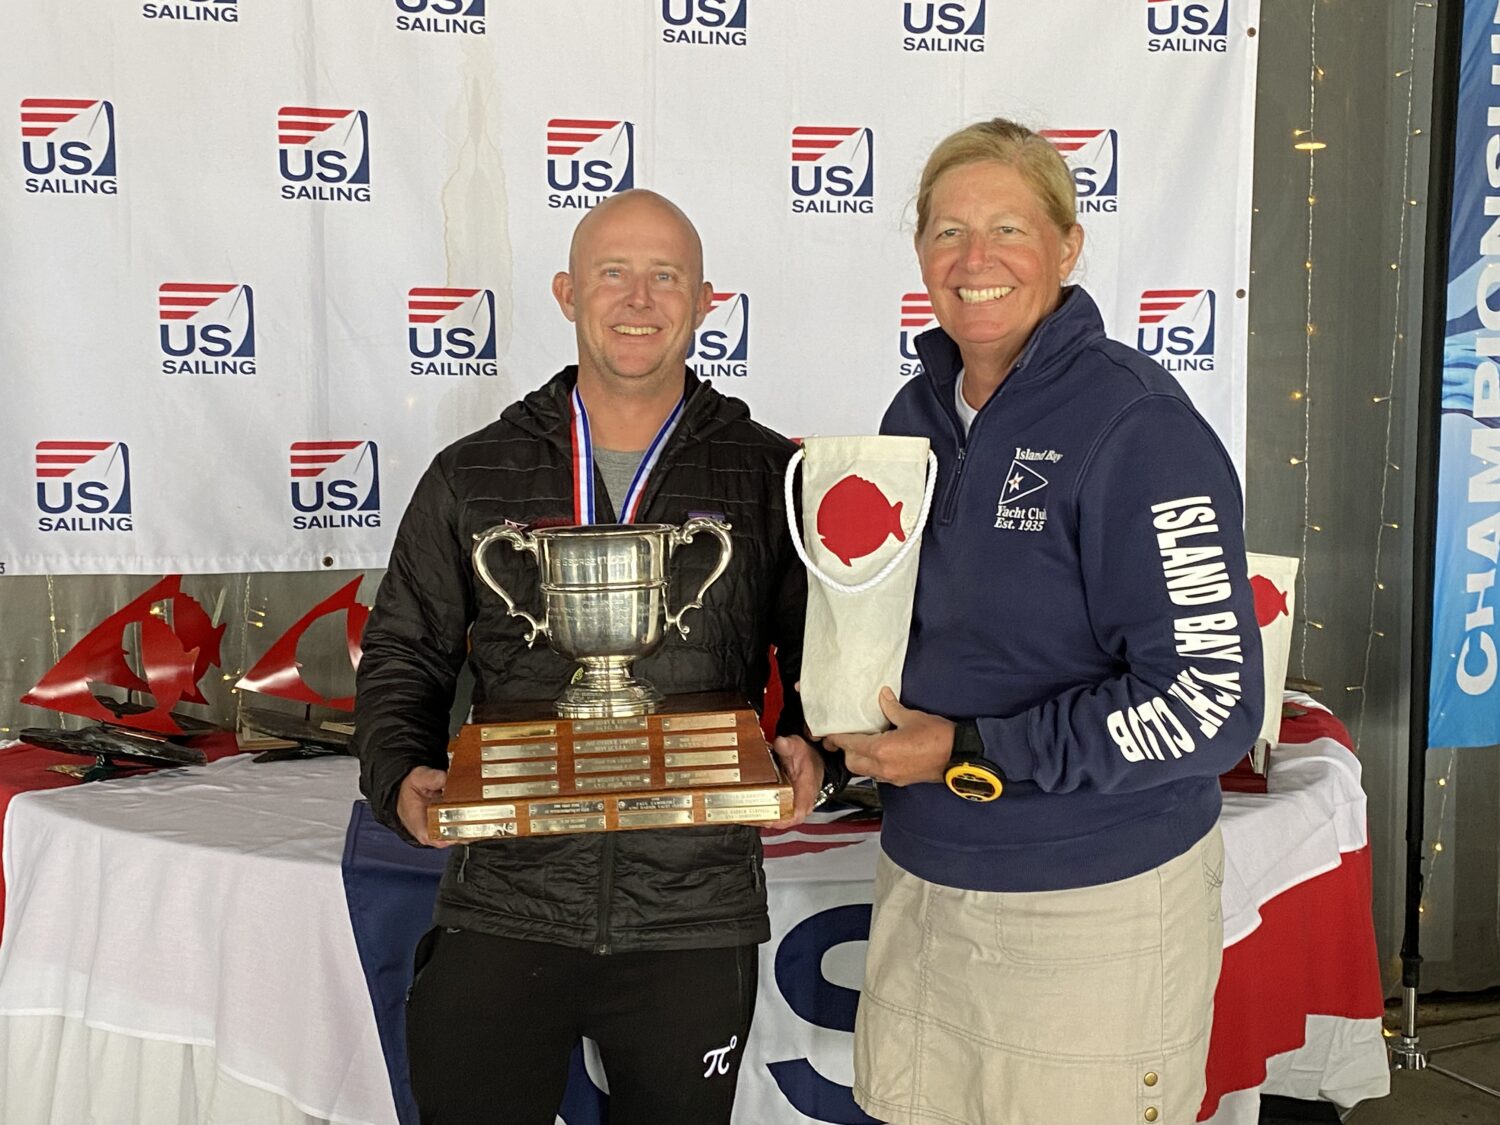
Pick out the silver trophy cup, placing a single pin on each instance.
(604, 592)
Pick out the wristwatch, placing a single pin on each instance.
(970, 774)
(835, 775)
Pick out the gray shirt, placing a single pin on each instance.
(617, 469)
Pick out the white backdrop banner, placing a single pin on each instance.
(263, 258)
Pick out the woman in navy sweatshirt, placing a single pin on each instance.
(1084, 662)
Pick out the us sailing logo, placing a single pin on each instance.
(946, 26)
(197, 11)
(1093, 156)
(444, 17)
(335, 484)
(721, 346)
(324, 153)
(68, 146)
(1176, 328)
(588, 158)
(833, 169)
(1187, 25)
(206, 329)
(451, 331)
(916, 318)
(707, 23)
(83, 486)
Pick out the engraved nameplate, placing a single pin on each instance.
(520, 789)
(567, 824)
(701, 777)
(477, 831)
(517, 769)
(637, 804)
(703, 758)
(655, 818)
(747, 812)
(511, 751)
(613, 781)
(517, 730)
(611, 765)
(690, 741)
(699, 722)
(611, 745)
(489, 812)
(566, 808)
(609, 726)
(743, 797)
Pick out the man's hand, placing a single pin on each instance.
(419, 789)
(804, 768)
(917, 749)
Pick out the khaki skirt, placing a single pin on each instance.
(1077, 1007)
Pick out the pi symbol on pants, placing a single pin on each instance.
(717, 1060)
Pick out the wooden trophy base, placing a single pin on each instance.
(524, 771)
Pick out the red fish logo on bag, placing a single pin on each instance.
(855, 519)
(1270, 602)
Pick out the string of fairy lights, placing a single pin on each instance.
(1409, 201)
(1388, 399)
(1306, 140)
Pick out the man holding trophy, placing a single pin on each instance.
(644, 940)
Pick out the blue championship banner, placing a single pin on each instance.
(1464, 689)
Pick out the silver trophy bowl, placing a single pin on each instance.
(604, 595)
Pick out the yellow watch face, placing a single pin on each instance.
(974, 781)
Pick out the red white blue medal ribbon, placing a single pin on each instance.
(583, 464)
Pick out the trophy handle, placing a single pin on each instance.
(521, 543)
(684, 534)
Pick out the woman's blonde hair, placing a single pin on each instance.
(1004, 142)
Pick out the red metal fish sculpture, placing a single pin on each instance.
(1270, 602)
(279, 672)
(855, 518)
(173, 659)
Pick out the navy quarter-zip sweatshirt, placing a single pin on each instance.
(1082, 596)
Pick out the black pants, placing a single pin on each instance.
(491, 1022)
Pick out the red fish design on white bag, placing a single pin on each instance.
(855, 518)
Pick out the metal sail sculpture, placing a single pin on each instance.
(279, 672)
(177, 644)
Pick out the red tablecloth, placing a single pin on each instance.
(1312, 955)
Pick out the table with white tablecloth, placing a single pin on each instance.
(177, 948)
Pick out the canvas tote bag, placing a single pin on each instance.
(1273, 580)
(864, 504)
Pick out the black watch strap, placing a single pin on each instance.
(970, 774)
(835, 773)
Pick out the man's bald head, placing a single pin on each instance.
(635, 293)
(640, 206)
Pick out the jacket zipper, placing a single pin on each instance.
(606, 886)
(602, 945)
(958, 473)
(950, 502)
(463, 862)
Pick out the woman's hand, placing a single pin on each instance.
(917, 749)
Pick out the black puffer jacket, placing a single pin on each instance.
(652, 889)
